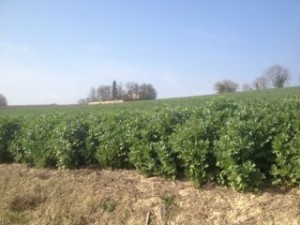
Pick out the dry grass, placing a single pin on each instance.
(25, 202)
(80, 197)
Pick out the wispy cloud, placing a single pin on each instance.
(16, 48)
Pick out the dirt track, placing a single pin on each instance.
(41, 196)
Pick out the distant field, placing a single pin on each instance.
(194, 101)
(243, 140)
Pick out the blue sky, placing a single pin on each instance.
(54, 51)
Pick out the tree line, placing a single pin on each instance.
(117, 91)
(275, 75)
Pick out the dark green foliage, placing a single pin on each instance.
(112, 142)
(8, 131)
(243, 149)
(151, 153)
(34, 145)
(70, 145)
(286, 169)
(194, 140)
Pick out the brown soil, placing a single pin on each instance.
(41, 196)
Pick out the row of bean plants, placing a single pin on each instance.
(241, 145)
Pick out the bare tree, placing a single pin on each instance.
(247, 87)
(99, 93)
(104, 93)
(147, 91)
(278, 74)
(3, 101)
(82, 101)
(261, 82)
(107, 93)
(132, 89)
(226, 86)
(92, 97)
(120, 91)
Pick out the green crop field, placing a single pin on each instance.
(242, 140)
